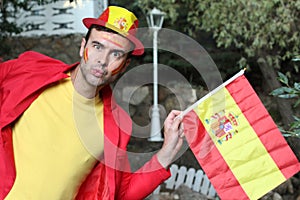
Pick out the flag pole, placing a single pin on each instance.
(240, 73)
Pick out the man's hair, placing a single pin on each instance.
(102, 28)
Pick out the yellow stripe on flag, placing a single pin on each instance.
(239, 145)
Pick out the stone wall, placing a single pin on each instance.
(62, 47)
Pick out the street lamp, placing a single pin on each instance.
(155, 20)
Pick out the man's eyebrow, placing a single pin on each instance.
(96, 42)
(119, 51)
(114, 50)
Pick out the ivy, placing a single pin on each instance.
(289, 92)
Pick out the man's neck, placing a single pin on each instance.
(81, 87)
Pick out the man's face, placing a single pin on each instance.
(103, 57)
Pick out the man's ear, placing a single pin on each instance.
(82, 47)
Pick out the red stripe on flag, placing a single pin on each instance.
(264, 126)
(211, 160)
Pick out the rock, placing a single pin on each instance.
(184, 91)
(176, 197)
(135, 94)
(185, 193)
(267, 196)
(285, 187)
(277, 196)
(171, 103)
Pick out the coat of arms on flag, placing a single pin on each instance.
(223, 125)
(237, 143)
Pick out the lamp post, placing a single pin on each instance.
(155, 20)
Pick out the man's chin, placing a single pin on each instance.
(99, 83)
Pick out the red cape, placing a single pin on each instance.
(21, 81)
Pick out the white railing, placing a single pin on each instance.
(195, 180)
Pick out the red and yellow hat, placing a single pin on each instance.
(120, 20)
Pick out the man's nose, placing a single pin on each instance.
(103, 59)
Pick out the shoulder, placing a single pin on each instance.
(28, 54)
(32, 56)
(40, 63)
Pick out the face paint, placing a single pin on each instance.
(110, 39)
(85, 55)
(115, 71)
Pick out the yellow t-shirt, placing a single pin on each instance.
(56, 142)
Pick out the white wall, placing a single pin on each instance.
(61, 17)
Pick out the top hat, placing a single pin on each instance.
(121, 21)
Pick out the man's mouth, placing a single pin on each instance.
(97, 72)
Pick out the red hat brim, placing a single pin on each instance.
(139, 47)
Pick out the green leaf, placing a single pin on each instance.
(283, 78)
(282, 90)
(297, 86)
(297, 103)
(287, 96)
(296, 118)
(295, 125)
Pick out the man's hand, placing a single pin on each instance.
(173, 139)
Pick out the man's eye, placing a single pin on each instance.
(117, 54)
(97, 46)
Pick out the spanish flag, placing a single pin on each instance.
(237, 143)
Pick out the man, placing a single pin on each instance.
(62, 134)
